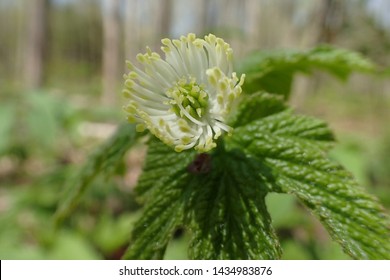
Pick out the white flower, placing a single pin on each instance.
(184, 100)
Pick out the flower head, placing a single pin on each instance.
(184, 100)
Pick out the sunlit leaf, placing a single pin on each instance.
(291, 151)
(228, 212)
(273, 71)
(215, 197)
(162, 188)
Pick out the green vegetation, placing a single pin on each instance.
(219, 197)
(67, 179)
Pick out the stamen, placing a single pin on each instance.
(184, 99)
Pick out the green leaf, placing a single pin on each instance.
(219, 204)
(103, 162)
(291, 151)
(255, 106)
(274, 71)
(228, 211)
(162, 165)
(161, 187)
(260, 105)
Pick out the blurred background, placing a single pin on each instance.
(61, 67)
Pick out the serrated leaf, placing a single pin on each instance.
(229, 219)
(178, 194)
(162, 188)
(260, 105)
(162, 164)
(274, 71)
(288, 145)
(102, 162)
(159, 220)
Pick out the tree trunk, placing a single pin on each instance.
(132, 29)
(111, 32)
(165, 18)
(35, 43)
(201, 17)
(252, 25)
(331, 20)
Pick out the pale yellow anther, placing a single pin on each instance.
(161, 122)
(179, 148)
(129, 65)
(198, 43)
(220, 41)
(223, 84)
(166, 41)
(184, 129)
(166, 49)
(191, 37)
(129, 83)
(155, 56)
(211, 38)
(140, 57)
(131, 119)
(140, 127)
(126, 93)
(177, 43)
(186, 140)
(132, 75)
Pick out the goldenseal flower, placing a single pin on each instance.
(184, 100)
